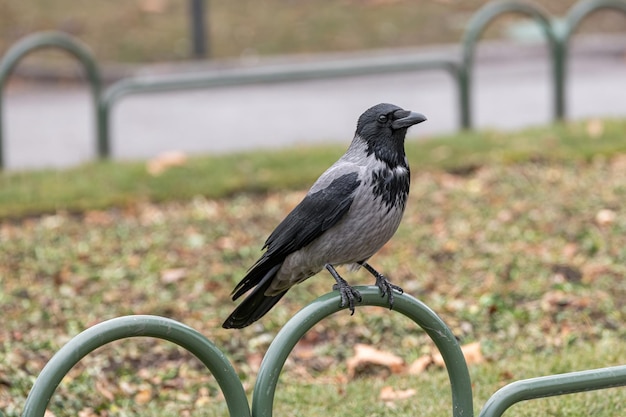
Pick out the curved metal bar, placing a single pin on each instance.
(553, 385)
(134, 326)
(305, 319)
(271, 74)
(578, 12)
(575, 15)
(480, 20)
(52, 40)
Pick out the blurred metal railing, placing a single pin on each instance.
(479, 22)
(66, 43)
(552, 386)
(558, 41)
(284, 342)
(200, 46)
(461, 69)
(129, 327)
(267, 75)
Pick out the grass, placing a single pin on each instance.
(101, 185)
(157, 30)
(515, 239)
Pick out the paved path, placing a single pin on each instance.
(48, 125)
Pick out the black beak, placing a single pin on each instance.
(406, 118)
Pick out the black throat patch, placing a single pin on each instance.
(392, 186)
(388, 149)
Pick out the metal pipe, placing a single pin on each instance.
(199, 46)
(135, 326)
(53, 40)
(305, 319)
(553, 385)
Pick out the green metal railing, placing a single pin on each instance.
(477, 26)
(558, 42)
(553, 385)
(273, 362)
(286, 339)
(301, 323)
(572, 21)
(461, 69)
(268, 75)
(59, 41)
(136, 326)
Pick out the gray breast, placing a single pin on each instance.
(371, 221)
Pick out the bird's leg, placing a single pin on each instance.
(348, 294)
(382, 283)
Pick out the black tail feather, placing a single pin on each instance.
(256, 304)
(252, 308)
(261, 272)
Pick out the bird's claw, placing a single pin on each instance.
(387, 288)
(348, 295)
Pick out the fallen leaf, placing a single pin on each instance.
(162, 162)
(170, 276)
(569, 250)
(202, 401)
(472, 353)
(87, 412)
(388, 394)
(183, 397)
(420, 365)
(99, 217)
(506, 375)
(618, 162)
(595, 128)
(153, 6)
(555, 300)
(143, 396)
(605, 217)
(103, 388)
(566, 273)
(367, 355)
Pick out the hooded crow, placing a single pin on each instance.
(349, 213)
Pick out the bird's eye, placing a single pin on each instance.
(382, 118)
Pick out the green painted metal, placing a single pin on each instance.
(480, 20)
(573, 18)
(135, 326)
(581, 10)
(461, 71)
(303, 321)
(53, 40)
(553, 385)
(200, 48)
(274, 360)
(267, 75)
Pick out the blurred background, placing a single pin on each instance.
(150, 31)
(49, 116)
(515, 230)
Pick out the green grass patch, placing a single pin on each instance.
(108, 184)
(152, 31)
(516, 240)
(158, 30)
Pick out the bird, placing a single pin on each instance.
(348, 214)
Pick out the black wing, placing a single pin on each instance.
(315, 214)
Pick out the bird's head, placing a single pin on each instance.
(383, 128)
